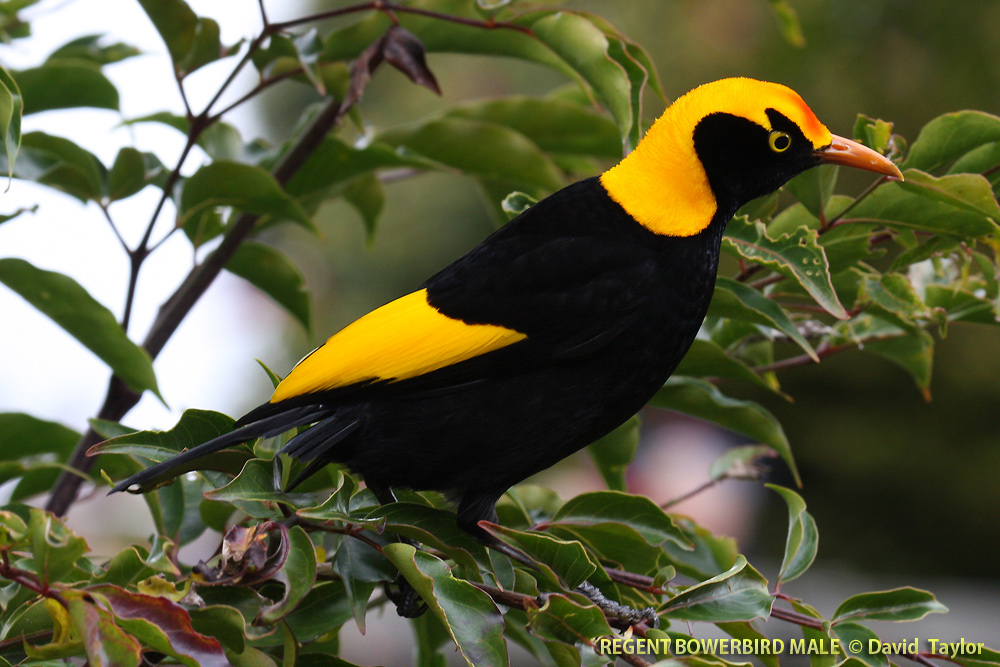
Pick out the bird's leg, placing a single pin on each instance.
(470, 514)
(407, 600)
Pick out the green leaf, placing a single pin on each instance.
(613, 452)
(70, 306)
(637, 512)
(88, 48)
(65, 85)
(176, 23)
(585, 47)
(892, 292)
(950, 136)
(914, 353)
(955, 205)
(193, 428)
(562, 562)
(22, 435)
(563, 619)
(271, 271)
(814, 187)
(983, 657)
(788, 22)
(702, 400)
(430, 526)
(471, 617)
(898, 604)
(54, 547)
(517, 203)
(739, 594)
(367, 195)
(298, 574)
(743, 631)
(60, 164)
(554, 125)
(737, 301)
(706, 358)
(205, 47)
(873, 132)
(803, 536)
(11, 110)
(127, 175)
(246, 187)
(854, 636)
(971, 192)
(478, 148)
(797, 255)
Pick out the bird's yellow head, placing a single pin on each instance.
(721, 145)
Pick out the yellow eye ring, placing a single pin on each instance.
(779, 141)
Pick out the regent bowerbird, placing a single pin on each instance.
(555, 329)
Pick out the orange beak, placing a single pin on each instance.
(852, 154)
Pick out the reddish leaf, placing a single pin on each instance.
(105, 643)
(170, 619)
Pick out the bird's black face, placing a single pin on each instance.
(744, 160)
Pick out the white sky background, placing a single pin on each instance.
(209, 361)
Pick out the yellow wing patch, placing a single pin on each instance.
(662, 183)
(402, 339)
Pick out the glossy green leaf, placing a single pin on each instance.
(478, 148)
(584, 47)
(554, 125)
(702, 400)
(127, 175)
(430, 526)
(735, 300)
(803, 537)
(983, 657)
(814, 187)
(205, 46)
(245, 187)
(563, 619)
(706, 358)
(892, 292)
(563, 562)
(11, 110)
(65, 85)
(962, 305)
(298, 575)
(739, 594)
(957, 205)
(913, 352)
(743, 631)
(950, 136)
(797, 255)
(637, 512)
(613, 452)
(271, 271)
(224, 623)
(856, 640)
(70, 306)
(192, 41)
(60, 164)
(898, 604)
(22, 434)
(360, 567)
(471, 617)
(193, 428)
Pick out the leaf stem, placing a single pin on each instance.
(796, 618)
(832, 222)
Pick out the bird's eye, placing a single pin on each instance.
(779, 141)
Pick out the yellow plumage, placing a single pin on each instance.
(402, 339)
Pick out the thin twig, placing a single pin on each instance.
(388, 7)
(796, 618)
(114, 228)
(857, 200)
(694, 492)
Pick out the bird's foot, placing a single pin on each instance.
(616, 610)
(407, 600)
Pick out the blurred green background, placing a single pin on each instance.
(916, 481)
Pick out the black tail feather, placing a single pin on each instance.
(268, 427)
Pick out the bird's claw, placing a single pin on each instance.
(407, 601)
